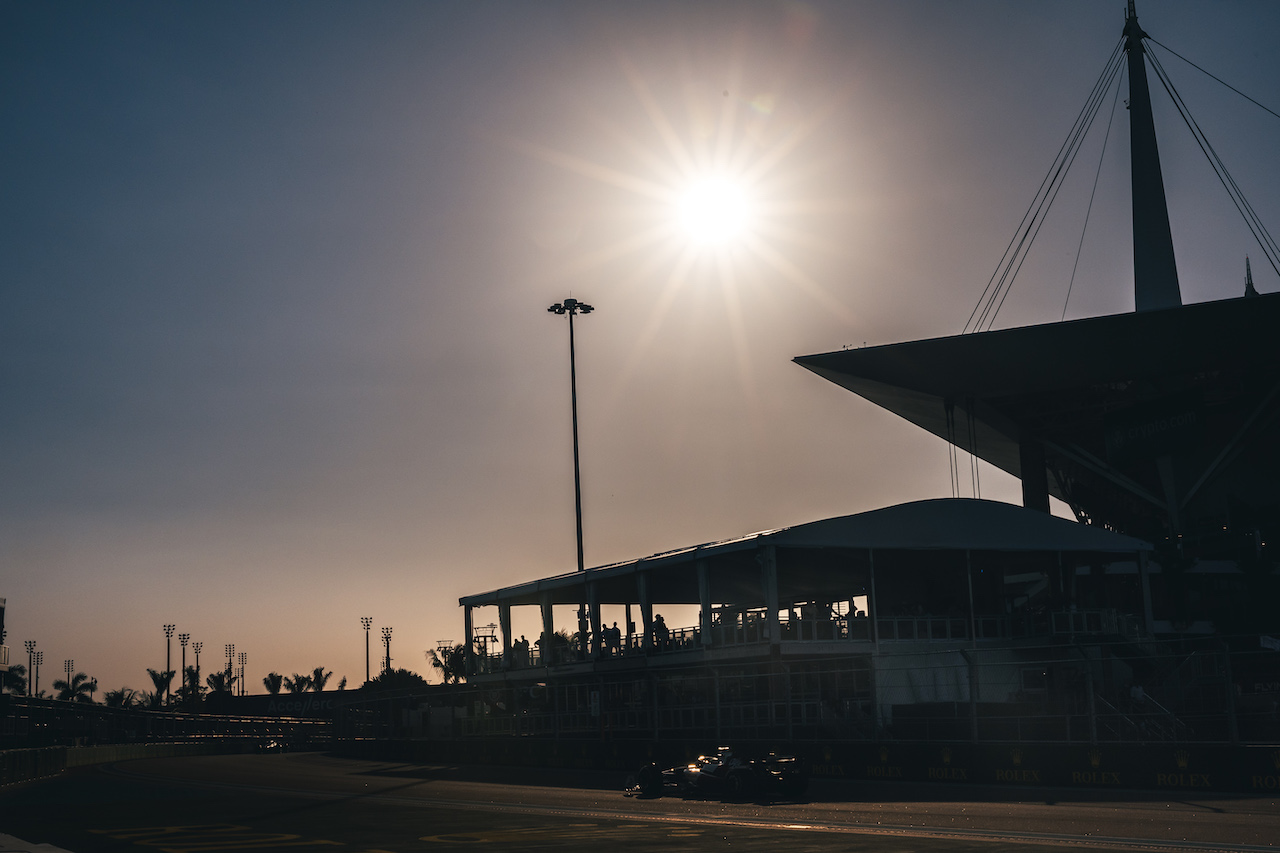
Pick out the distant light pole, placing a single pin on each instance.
(31, 665)
(69, 665)
(168, 665)
(386, 639)
(197, 647)
(367, 622)
(243, 657)
(571, 307)
(182, 679)
(39, 659)
(231, 650)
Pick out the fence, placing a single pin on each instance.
(34, 723)
(1073, 690)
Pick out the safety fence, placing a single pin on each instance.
(1120, 691)
(27, 723)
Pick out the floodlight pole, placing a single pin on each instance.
(168, 659)
(571, 307)
(182, 680)
(366, 621)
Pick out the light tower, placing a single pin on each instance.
(572, 307)
(367, 622)
(168, 665)
(183, 639)
(386, 639)
(196, 647)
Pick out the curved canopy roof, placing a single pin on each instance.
(953, 524)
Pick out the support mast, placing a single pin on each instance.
(1155, 272)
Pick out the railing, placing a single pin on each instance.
(931, 628)
(750, 627)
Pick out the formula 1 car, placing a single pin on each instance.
(727, 774)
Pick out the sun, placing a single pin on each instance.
(714, 211)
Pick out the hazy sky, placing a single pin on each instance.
(274, 348)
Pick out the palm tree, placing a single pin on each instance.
(319, 678)
(161, 680)
(15, 681)
(78, 689)
(191, 690)
(451, 662)
(152, 699)
(272, 682)
(122, 698)
(219, 682)
(297, 684)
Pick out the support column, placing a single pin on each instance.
(715, 675)
(504, 624)
(630, 629)
(1035, 480)
(769, 585)
(704, 598)
(973, 693)
(973, 617)
(593, 604)
(469, 640)
(646, 611)
(548, 630)
(1144, 574)
(872, 606)
(1155, 272)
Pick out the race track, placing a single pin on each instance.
(313, 801)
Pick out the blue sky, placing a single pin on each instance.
(274, 350)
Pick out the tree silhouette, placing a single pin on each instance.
(450, 662)
(78, 689)
(219, 682)
(396, 679)
(161, 681)
(273, 682)
(15, 681)
(191, 690)
(122, 698)
(297, 684)
(319, 678)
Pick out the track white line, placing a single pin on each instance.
(896, 830)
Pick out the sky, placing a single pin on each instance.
(274, 343)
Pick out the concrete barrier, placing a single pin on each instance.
(22, 765)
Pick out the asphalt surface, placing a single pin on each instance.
(315, 802)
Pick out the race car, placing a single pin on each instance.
(728, 774)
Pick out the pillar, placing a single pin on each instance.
(1035, 479)
(548, 629)
(704, 598)
(646, 611)
(769, 585)
(593, 605)
(468, 640)
(504, 624)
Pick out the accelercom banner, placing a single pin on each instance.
(1161, 766)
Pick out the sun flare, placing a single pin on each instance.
(714, 211)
